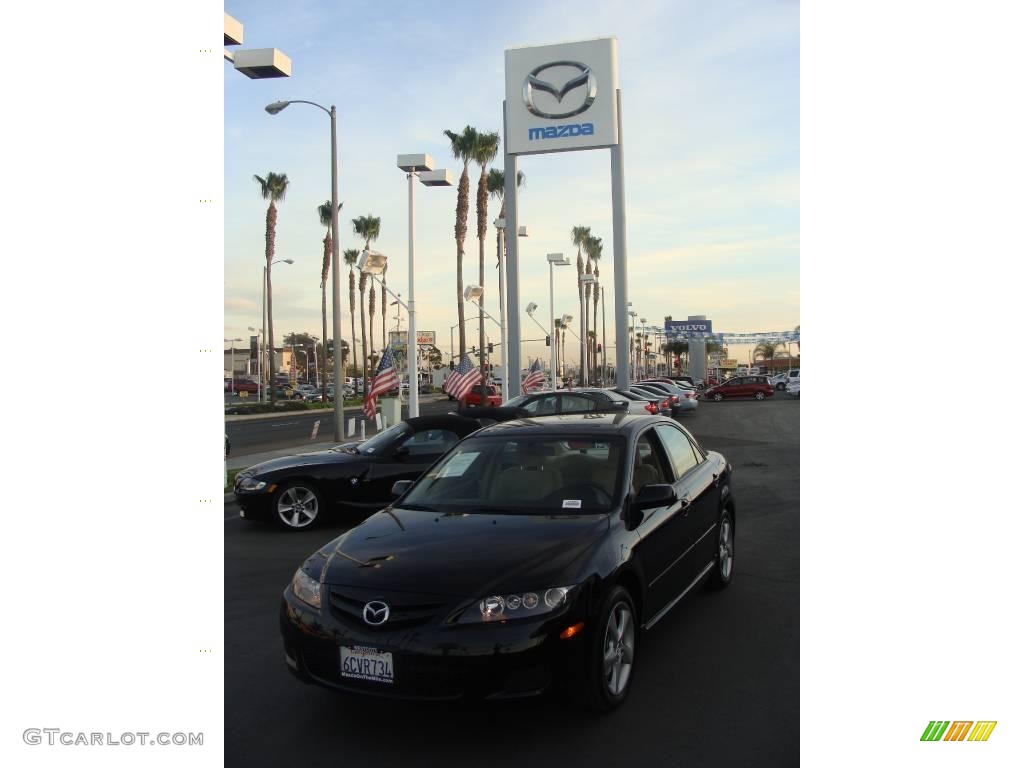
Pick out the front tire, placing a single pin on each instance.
(721, 575)
(612, 653)
(717, 397)
(297, 506)
(759, 395)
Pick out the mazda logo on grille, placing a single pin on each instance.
(533, 84)
(376, 613)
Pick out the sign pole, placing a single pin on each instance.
(619, 255)
(512, 264)
(411, 348)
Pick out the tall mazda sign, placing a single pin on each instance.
(561, 98)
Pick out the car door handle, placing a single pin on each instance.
(684, 505)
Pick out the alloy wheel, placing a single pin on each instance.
(297, 507)
(759, 396)
(725, 549)
(619, 645)
(718, 397)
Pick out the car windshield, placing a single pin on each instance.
(518, 474)
(383, 439)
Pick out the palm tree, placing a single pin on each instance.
(368, 228)
(463, 145)
(485, 150)
(766, 350)
(351, 257)
(580, 235)
(272, 188)
(325, 220)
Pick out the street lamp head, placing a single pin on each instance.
(372, 262)
(499, 223)
(288, 261)
(439, 177)
(585, 278)
(276, 107)
(415, 163)
(473, 292)
(522, 232)
(566, 319)
(531, 308)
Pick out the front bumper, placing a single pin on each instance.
(255, 504)
(431, 660)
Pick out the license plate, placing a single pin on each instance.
(362, 663)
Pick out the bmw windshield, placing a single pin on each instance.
(523, 475)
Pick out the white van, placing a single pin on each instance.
(792, 376)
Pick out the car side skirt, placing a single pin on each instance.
(660, 614)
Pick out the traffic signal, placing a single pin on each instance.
(599, 348)
(490, 348)
(547, 341)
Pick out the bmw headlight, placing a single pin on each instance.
(518, 605)
(251, 484)
(306, 588)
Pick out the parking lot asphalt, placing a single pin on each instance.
(717, 681)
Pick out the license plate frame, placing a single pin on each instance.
(367, 664)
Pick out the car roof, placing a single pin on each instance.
(601, 423)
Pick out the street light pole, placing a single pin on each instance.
(339, 402)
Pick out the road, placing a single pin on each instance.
(717, 681)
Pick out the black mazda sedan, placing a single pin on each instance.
(295, 491)
(534, 550)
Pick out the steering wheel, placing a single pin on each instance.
(601, 496)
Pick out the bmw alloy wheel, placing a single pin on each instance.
(297, 506)
(619, 644)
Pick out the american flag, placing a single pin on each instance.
(384, 380)
(534, 377)
(462, 379)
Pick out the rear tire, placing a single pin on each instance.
(759, 395)
(717, 397)
(721, 574)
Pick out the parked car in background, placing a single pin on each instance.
(482, 395)
(681, 399)
(659, 399)
(595, 400)
(792, 377)
(243, 385)
(793, 390)
(683, 380)
(778, 381)
(306, 392)
(296, 491)
(756, 387)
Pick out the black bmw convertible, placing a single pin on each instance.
(296, 491)
(535, 549)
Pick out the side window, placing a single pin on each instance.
(576, 404)
(733, 382)
(649, 463)
(679, 450)
(430, 442)
(545, 406)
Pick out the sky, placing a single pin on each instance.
(710, 112)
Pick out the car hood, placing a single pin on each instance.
(463, 555)
(305, 460)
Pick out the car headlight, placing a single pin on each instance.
(306, 588)
(251, 484)
(518, 605)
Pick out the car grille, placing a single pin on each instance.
(407, 609)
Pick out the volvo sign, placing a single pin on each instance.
(561, 97)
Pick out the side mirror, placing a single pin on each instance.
(400, 487)
(654, 495)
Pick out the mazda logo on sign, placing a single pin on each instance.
(534, 83)
(376, 613)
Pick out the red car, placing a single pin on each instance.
(242, 385)
(482, 395)
(741, 386)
